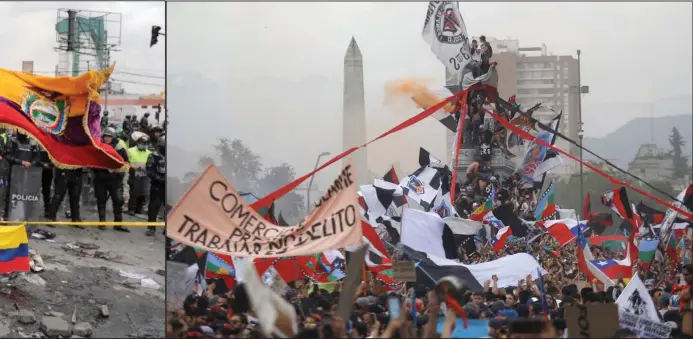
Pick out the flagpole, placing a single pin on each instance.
(580, 131)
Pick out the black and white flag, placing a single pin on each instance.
(392, 226)
(442, 205)
(635, 299)
(427, 232)
(444, 30)
(423, 185)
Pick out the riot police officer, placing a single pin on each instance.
(155, 132)
(4, 170)
(66, 181)
(156, 170)
(144, 123)
(109, 183)
(46, 180)
(137, 178)
(21, 151)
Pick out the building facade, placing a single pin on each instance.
(652, 164)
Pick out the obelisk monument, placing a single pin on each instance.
(354, 111)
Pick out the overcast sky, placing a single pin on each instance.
(275, 69)
(27, 32)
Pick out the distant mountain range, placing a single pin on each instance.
(621, 145)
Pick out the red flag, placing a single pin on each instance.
(617, 200)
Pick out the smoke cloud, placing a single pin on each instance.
(417, 91)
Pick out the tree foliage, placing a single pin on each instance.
(244, 170)
(567, 194)
(292, 204)
(680, 161)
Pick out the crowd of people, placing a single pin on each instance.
(512, 312)
(141, 144)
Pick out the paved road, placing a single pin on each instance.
(89, 277)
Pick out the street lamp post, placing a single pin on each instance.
(310, 183)
(580, 134)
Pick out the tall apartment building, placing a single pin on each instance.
(534, 76)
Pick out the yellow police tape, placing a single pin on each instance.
(85, 223)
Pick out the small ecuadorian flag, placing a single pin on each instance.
(14, 249)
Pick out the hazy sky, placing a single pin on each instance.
(27, 32)
(274, 70)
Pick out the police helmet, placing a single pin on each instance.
(109, 132)
(162, 142)
(156, 128)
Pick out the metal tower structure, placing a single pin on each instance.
(85, 40)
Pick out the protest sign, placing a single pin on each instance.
(25, 194)
(476, 328)
(643, 327)
(591, 321)
(212, 216)
(404, 271)
(636, 300)
(351, 283)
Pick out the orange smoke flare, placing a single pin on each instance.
(417, 92)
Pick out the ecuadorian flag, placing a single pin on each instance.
(14, 249)
(62, 114)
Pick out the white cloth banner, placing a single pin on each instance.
(643, 327)
(461, 226)
(509, 269)
(567, 214)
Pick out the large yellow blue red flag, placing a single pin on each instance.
(14, 249)
(62, 114)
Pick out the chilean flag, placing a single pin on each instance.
(564, 230)
(606, 270)
(612, 268)
(584, 257)
(498, 241)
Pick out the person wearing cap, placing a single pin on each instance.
(108, 183)
(137, 177)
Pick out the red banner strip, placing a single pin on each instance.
(602, 238)
(527, 136)
(267, 200)
(460, 132)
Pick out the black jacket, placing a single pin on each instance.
(156, 168)
(16, 152)
(104, 174)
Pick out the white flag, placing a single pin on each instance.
(444, 30)
(636, 300)
(276, 316)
